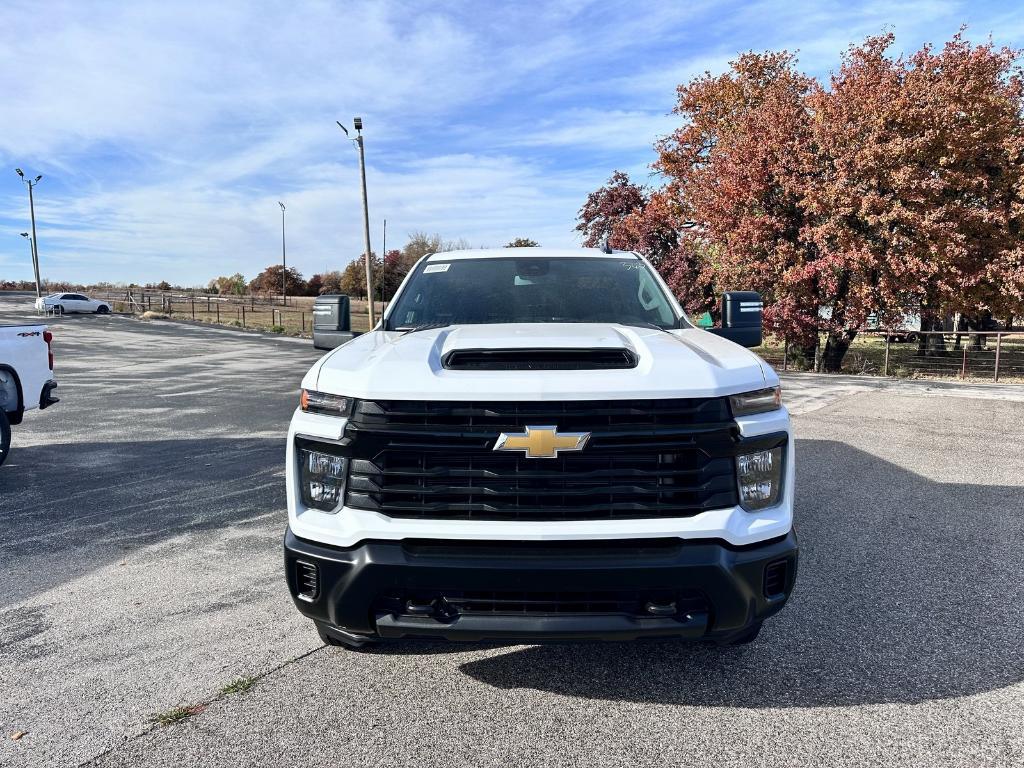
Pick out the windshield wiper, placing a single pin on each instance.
(421, 327)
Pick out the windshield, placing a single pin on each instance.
(532, 290)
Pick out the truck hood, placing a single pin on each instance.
(408, 366)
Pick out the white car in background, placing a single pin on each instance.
(63, 303)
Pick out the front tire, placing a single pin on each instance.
(58, 309)
(5, 436)
(102, 309)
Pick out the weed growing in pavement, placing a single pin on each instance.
(177, 714)
(238, 685)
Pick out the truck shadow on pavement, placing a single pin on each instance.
(909, 590)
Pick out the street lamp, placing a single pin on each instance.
(358, 124)
(284, 261)
(33, 242)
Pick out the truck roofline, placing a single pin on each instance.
(520, 253)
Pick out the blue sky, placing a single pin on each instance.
(166, 132)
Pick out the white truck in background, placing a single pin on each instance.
(26, 376)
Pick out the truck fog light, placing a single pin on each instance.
(759, 475)
(322, 476)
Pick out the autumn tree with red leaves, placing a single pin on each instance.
(899, 185)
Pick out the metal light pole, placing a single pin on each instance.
(32, 254)
(358, 123)
(33, 241)
(284, 262)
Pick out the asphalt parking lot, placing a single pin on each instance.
(140, 571)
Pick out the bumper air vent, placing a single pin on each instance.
(307, 581)
(538, 359)
(776, 577)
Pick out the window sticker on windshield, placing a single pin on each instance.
(436, 268)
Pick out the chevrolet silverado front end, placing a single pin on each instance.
(536, 445)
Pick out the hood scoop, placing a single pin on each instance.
(539, 359)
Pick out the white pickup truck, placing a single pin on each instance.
(26, 376)
(538, 445)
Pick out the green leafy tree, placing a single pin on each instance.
(523, 242)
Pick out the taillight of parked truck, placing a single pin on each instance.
(48, 337)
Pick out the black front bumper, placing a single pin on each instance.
(361, 591)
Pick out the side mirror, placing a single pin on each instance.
(332, 325)
(741, 318)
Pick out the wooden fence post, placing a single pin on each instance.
(217, 305)
(885, 369)
(243, 315)
(963, 370)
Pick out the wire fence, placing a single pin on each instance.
(253, 312)
(988, 355)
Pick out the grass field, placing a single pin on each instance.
(871, 355)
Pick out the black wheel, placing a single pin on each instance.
(912, 338)
(5, 436)
(58, 309)
(102, 309)
(749, 636)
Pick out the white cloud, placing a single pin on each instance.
(168, 131)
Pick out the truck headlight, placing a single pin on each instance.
(758, 401)
(322, 476)
(325, 403)
(759, 475)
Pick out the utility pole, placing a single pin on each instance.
(383, 263)
(358, 123)
(33, 241)
(284, 262)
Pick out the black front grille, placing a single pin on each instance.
(644, 459)
(538, 359)
(452, 603)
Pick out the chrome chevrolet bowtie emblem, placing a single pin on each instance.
(541, 442)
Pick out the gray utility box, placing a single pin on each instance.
(332, 324)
